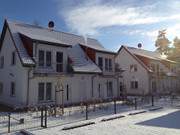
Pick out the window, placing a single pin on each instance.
(48, 59)
(133, 68)
(2, 62)
(100, 62)
(41, 92)
(12, 91)
(67, 92)
(44, 91)
(109, 89)
(13, 58)
(106, 64)
(41, 58)
(1, 88)
(153, 67)
(134, 84)
(59, 60)
(48, 91)
(110, 64)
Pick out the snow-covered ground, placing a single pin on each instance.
(149, 122)
(161, 122)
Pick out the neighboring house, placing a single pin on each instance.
(41, 65)
(146, 72)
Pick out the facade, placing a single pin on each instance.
(43, 66)
(146, 72)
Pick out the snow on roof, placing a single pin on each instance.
(25, 58)
(81, 62)
(149, 54)
(41, 38)
(48, 35)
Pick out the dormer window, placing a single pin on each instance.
(44, 58)
(41, 58)
(13, 58)
(108, 64)
(48, 59)
(59, 62)
(100, 62)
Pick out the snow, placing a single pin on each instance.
(132, 125)
(165, 121)
(45, 34)
(81, 62)
(149, 54)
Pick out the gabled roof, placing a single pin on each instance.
(134, 56)
(25, 59)
(135, 52)
(81, 62)
(154, 55)
(38, 33)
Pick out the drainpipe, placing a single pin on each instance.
(27, 94)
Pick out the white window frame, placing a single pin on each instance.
(45, 62)
(44, 92)
(59, 63)
(100, 66)
(134, 84)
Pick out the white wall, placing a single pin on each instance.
(80, 87)
(10, 73)
(124, 59)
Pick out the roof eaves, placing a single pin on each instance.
(99, 50)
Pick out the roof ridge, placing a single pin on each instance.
(140, 49)
(43, 27)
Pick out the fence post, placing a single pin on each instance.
(42, 117)
(135, 103)
(152, 99)
(45, 117)
(114, 106)
(86, 111)
(9, 122)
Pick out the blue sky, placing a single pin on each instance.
(112, 22)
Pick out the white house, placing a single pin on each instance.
(41, 65)
(146, 72)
